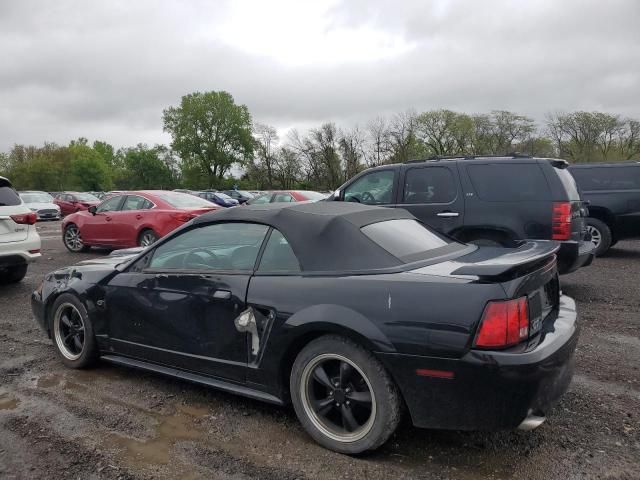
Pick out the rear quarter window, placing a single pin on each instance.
(607, 178)
(408, 240)
(509, 182)
(8, 197)
(568, 183)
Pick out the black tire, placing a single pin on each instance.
(14, 274)
(375, 417)
(72, 239)
(84, 352)
(147, 237)
(600, 235)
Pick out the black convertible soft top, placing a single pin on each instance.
(325, 236)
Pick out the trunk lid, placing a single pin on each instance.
(529, 270)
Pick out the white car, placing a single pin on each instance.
(19, 240)
(42, 204)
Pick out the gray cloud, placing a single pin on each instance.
(106, 70)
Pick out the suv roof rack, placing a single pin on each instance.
(436, 158)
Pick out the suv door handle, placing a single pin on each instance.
(222, 294)
(448, 214)
(138, 216)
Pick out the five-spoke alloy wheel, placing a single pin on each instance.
(338, 398)
(72, 332)
(343, 395)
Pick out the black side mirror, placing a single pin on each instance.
(93, 209)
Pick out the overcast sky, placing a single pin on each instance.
(105, 70)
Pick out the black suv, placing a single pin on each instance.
(484, 200)
(612, 192)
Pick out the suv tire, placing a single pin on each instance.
(600, 234)
(343, 396)
(15, 273)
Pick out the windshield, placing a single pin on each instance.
(86, 197)
(184, 200)
(408, 240)
(36, 198)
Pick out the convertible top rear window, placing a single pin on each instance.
(406, 239)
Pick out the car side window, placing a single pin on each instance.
(429, 185)
(283, 197)
(135, 202)
(110, 205)
(278, 255)
(221, 246)
(375, 188)
(266, 198)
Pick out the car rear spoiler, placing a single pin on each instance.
(529, 254)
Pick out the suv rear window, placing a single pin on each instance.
(407, 239)
(607, 178)
(568, 182)
(509, 182)
(8, 197)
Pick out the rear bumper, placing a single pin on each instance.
(489, 390)
(18, 253)
(574, 255)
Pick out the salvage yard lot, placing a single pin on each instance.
(112, 422)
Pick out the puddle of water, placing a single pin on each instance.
(48, 381)
(170, 429)
(8, 403)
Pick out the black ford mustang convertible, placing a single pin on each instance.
(353, 313)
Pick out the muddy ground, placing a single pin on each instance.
(111, 422)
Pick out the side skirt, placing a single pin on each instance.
(195, 378)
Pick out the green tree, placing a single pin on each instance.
(88, 168)
(144, 168)
(211, 131)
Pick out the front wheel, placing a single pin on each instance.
(72, 332)
(343, 396)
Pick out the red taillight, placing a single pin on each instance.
(25, 218)
(504, 323)
(561, 221)
(183, 216)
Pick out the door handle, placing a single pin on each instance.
(448, 214)
(108, 219)
(138, 216)
(222, 294)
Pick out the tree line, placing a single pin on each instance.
(214, 138)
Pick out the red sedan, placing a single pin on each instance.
(71, 202)
(131, 219)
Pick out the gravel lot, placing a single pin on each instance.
(111, 422)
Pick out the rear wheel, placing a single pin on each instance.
(147, 237)
(73, 239)
(600, 235)
(343, 396)
(14, 274)
(72, 332)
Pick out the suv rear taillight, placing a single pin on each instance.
(503, 324)
(561, 221)
(25, 218)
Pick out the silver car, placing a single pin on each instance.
(42, 204)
